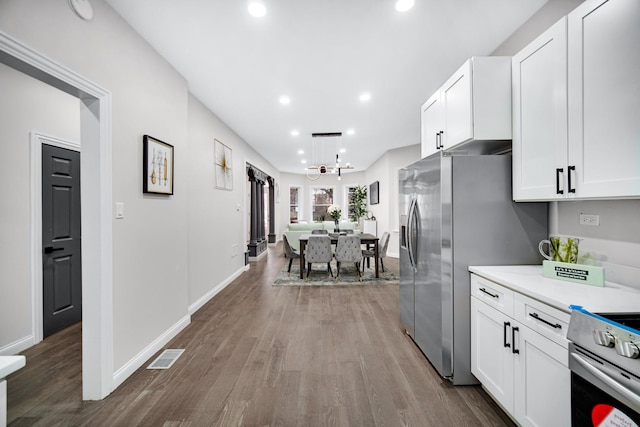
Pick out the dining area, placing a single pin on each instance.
(337, 256)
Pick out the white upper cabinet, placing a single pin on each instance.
(539, 78)
(604, 98)
(576, 106)
(473, 104)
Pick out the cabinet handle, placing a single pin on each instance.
(439, 140)
(514, 350)
(553, 325)
(570, 168)
(437, 143)
(558, 172)
(504, 336)
(488, 293)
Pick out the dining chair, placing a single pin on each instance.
(318, 249)
(382, 250)
(348, 249)
(289, 252)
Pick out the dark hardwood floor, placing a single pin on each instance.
(259, 355)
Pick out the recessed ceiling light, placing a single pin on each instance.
(300, 151)
(294, 132)
(303, 161)
(404, 5)
(284, 100)
(365, 96)
(350, 132)
(343, 150)
(257, 9)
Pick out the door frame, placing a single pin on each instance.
(37, 141)
(96, 196)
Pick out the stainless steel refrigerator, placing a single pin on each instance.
(457, 211)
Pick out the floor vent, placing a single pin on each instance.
(166, 359)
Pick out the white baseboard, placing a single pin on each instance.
(393, 254)
(141, 358)
(216, 289)
(18, 346)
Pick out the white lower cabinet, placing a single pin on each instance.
(523, 368)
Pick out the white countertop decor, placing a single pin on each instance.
(528, 280)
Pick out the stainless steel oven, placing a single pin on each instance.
(605, 368)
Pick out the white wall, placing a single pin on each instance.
(26, 105)
(216, 217)
(385, 170)
(165, 258)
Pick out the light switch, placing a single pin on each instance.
(119, 210)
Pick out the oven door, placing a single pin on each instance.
(601, 393)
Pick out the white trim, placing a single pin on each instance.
(141, 358)
(17, 346)
(96, 190)
(36, 142)
(215, 290)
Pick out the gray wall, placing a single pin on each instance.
(161, 266)
(26, 105)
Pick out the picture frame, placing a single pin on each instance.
(223, 166)
(157, 166)
(374, 193)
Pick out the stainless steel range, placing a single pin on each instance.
(605, 368)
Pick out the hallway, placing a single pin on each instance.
(263, 355)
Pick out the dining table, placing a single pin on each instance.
(367, 239)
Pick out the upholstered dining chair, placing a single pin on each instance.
(348, 249)
(382, 250)
(289, 252)
(318, 249)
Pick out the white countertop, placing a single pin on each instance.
(528, 280)
(10, 364)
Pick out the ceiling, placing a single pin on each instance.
(322, 54)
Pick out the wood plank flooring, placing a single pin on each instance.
(259, 355)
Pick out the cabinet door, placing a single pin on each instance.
(431, 118)
(604, 98)
(542, 381)
(491, 360)
(539, 78)
(457, 107)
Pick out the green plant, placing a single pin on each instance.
(359, 201)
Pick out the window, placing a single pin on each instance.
(321, 199)
(295, 213)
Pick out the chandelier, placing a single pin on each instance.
(318, 169)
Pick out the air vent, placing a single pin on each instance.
(326, 134)
(166, 358)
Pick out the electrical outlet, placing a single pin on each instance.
(589, 219)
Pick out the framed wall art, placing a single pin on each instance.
(223, 163)
(157, 166)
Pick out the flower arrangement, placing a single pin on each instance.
(335, 212)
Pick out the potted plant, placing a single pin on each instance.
(335, 212)
(359, 197)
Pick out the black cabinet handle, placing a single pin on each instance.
(437, 143)
(50, 249)
(504, 336)
(488, 293)
(553, 325)
(558, 172)
(571, 168)
(514, 350)
(441, 144)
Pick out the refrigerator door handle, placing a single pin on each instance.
(410, 231)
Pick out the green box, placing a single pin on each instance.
(578, 273)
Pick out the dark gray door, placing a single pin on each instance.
(62, 268)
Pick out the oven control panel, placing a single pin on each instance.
(627, 348)
(603, 338)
